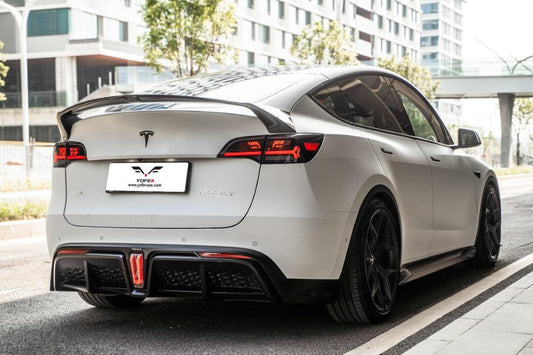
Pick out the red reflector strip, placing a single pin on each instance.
(223, 256)
(312, 147)
(241, 154)
(76, 157)
(136, 268)
(73, 251)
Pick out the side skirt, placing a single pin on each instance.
(413, 271)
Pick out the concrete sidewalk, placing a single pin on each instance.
(501, 325)
(22, 229)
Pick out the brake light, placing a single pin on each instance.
(72, 251)
(297, 148)
(137, 269)
(66, 152)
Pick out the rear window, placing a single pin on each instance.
(246, 85)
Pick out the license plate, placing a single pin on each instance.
(147, 177)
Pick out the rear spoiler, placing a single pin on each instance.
(274, 120)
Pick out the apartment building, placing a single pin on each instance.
(74, 47)
(267, 28)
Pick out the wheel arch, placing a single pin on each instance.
(383, 189)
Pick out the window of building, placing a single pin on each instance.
(430, 57)
(457, 34)
(404, 11)
(307, 17)
(447, 29)
(430, 24)
(354, 10)
(320, 2)
(250, 4)
(388, 47)
(457, 49)
(396, 28)
(264, 34)
(283, 41)
(252, 30)
(49, 22)
(365, 36)
(411, 34)
(268, 6)
(352, 34)
(281, 9)
(297, 15)
(457, 18)
(364, 13)
(84, 25)
(114, 30)
(458, 4)
(446, 12)
(379, 21)
(429, 41)
(251, 58)
(389, 4)
(432, 8)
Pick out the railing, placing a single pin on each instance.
(484, 68)
(12, 171)
(36, 99)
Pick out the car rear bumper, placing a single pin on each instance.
(180, 271)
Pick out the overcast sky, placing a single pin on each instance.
(506, 26)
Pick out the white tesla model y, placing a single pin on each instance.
(324, 184)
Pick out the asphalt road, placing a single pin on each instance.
(33, 320)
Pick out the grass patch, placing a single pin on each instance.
(25, 186)
(522, 169)
(23, 209)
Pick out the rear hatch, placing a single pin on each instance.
(179, 146)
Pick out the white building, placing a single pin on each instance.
(441, 45)
(74, 47)
(442, 36)
(376, 28)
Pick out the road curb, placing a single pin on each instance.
(22, 229)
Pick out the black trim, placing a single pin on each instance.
(275, 286)
(69, 116)
(420, 268)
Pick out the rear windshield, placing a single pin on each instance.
(245, 85)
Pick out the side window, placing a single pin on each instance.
(359, 100)
(423, 121)
(364, 106)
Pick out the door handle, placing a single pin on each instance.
(435, 159)
(386, 151)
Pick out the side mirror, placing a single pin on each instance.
(467, 139)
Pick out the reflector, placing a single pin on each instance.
(223, 256)
(136, 268)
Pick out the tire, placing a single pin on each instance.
(488, 237)
(119, 301)
(371, 271)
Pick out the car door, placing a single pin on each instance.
(362, 101)
(454, 202)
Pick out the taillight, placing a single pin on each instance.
(66, 152)
(278, 149)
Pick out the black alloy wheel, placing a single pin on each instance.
(372, 268)
(381, 260)
(489, 232)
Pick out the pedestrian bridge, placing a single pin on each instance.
(490, 80)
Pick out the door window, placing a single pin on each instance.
(424, 123)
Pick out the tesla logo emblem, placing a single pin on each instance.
(154, 170)
(146, 135)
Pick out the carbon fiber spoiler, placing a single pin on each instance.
(272, 121)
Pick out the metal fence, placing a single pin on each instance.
(12, 169)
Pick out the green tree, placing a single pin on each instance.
(523, 117)
(187, 35)
(3, 72)
(413, 72)
(317, 44)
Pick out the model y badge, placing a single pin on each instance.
(154, 170)
(146, 135)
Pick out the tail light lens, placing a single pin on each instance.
(278, 149)
(67, 152)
